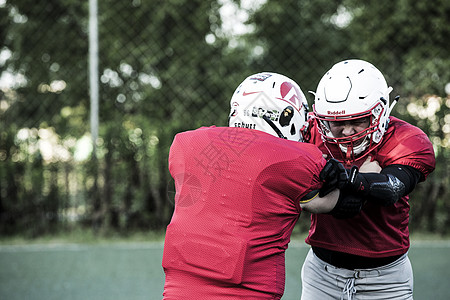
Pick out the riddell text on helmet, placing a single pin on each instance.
(340, 112)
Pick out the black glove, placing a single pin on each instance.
(348, 206)
(358, 183)
(333, 176)
(351, 199)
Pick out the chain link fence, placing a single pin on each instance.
(170, 66)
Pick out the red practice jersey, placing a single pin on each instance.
(377, 231)
(236, 204)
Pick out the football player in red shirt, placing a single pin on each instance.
(363, 254)
(239, 192)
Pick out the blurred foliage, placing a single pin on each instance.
(169, 66)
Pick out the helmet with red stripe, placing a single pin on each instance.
(352, 90)
(269, 102)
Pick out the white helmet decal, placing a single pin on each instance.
(269, 102)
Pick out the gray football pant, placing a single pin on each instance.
(321, 281)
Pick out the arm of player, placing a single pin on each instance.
(334, 176)
(313, 203)
(386, 187)
(370, 166)
(327, 199)
(336, 203)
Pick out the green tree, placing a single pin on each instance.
(159, 76)
(300, 39)
(170, 66)
(53, 76)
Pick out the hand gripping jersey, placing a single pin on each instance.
(236, 203)
(377, 231)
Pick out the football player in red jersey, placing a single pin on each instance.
(239, 192)
(363, 253)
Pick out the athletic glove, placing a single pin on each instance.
(357, 182)
(347, 206)
(333, 176)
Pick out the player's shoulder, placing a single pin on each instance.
(197, 131)
(401, 127)
(406, 144)
(192, 136)
(305, 151)
(401, 132)
(311, 131)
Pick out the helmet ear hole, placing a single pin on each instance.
(286, 116)
(293, 131)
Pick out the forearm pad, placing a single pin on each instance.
(387, 192)
(385, 189)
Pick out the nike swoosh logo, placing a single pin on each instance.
(246, 94)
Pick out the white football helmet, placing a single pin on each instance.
(353, 89)
(269, 102)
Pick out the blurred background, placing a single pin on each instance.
(163, 67)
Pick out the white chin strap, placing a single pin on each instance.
(358, 149)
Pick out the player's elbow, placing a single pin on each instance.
(388, 193)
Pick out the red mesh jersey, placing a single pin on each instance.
(236, 203)
(377, 231)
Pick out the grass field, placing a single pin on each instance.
(133, 270)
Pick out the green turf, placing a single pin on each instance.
(117, 271)
(133, 271)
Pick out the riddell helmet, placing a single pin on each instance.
(269, 102)
(350, 90)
